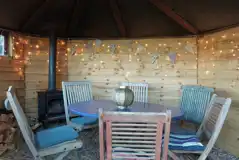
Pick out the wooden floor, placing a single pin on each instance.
(90, 150)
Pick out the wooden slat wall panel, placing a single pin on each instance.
(219, 67)
(10, 75)
(36, 72)
(164, 78)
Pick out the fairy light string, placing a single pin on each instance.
(25, 48)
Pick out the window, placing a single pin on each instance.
(2, 45)
(4, 37)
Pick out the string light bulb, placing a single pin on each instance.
(63, 43)
(17, 56)
(224, 36)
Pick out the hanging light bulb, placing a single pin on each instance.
(224, 36)
(62, 43)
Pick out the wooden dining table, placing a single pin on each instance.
(90, 108)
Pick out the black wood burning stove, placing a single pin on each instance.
(50, 102)
(50, 106)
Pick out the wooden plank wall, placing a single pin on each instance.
(36, 70)
(12, 71)
(219, 67)
(132, 60)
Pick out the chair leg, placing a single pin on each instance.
(188, 157)
(45, 158)
(40, 158)
(173, 156)
(76, 154)
(62, 155)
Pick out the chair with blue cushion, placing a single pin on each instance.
(74, 92)
(187, 142)
(57, 141)
(194, 102)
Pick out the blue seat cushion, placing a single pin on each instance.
(185, 142)
(53, 136)
(84, 120)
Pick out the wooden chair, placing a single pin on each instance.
(134, 136)
(194, 102)
(74, 92)
(208, 131)
(140, 91)
(59, 140)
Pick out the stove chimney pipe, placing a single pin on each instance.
(52, 63)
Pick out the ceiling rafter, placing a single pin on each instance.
(77, 14)
(118, 17)
(34, 15)
(170, 13)
(71, 20)
(219, 29)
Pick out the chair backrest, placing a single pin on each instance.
(131, 135)
(140, 91)
(213, 121)
(215, 115)
(74, 92)
(27, 133)
(194, 102)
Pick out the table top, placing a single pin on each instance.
(90, 108)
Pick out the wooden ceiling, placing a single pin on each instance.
(118, 18)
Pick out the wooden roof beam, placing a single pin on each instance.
(177, 18)
(118, 17)
(33, 15)
(77, 15)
